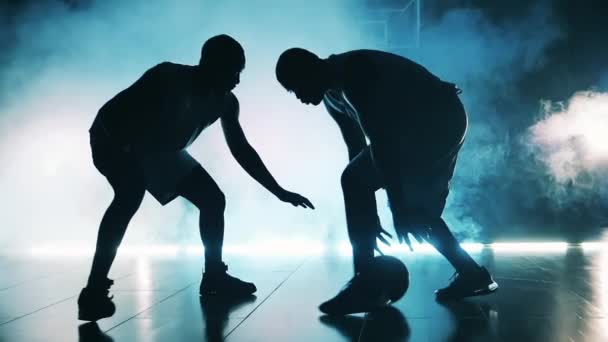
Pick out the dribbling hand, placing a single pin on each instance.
(418, 231)
(296, 200)
(382, 238)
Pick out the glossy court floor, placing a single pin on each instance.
(551, 295)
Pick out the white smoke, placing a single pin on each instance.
(572, 138)
(67, 63)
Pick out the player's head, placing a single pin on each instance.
(303, 73)
(222, 59)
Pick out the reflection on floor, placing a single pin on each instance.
(557, 295)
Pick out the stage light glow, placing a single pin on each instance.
(150, 250)
(424, 248)
(344, 249)
(144, 275)
(472, 247)
(594, 246)
(58, 250)
(305, 248)
(87, 250)
(278, 247)
(603, 290)
(194, 250)
(529, 247)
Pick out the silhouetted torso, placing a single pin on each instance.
(390, 95)
(165, 109)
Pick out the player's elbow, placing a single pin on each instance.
(239, 148)
(349, 179)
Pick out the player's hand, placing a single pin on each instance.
(417, 230)
(383, 239)
(409, 221)
(296, 200)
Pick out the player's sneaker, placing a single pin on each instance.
(468, 285)
(220, 283)
(360, 294)
(94, 301)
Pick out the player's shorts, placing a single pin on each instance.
(160, 173)
(163, 172)
(426, 190)
(427, 172)
(427, 169)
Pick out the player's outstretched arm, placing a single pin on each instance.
(249, 159)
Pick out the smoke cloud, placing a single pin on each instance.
(570, 142)
(572, 139)
(63, 62)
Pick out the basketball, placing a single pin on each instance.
(392, 274)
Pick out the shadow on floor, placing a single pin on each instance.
(467, 329)
(90, 332)
(387, 324)
(216, 312)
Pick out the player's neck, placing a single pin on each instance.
(335, 75)
(200, 82)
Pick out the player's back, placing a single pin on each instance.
(401, 98)
(390, 74)
(141, 109)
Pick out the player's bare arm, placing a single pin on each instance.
(247, 156)
(351, 131)
(358, 94)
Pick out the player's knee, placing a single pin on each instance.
(127, 202)
(212, 202)
(349, 179)
(219, 201)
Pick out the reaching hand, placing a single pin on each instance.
(379, 236)
(409, 220)
(296, 200)
(418, 231)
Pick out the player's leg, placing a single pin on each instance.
(128, 195)
(360, 180)
(202, 191)
(438, 159)
(444, 241)
(470, 279)
(129, 190)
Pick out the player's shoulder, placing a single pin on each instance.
(168, 68)
(371, 61)
(230, 105)
(359, 74)
(162, 74)
(231, 99)
(353, 61)
(359, 67)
